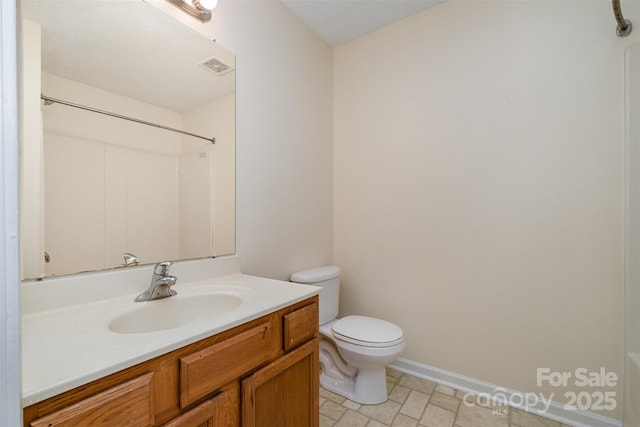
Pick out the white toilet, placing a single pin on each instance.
(354, 350)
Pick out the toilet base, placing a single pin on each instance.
(367, 386)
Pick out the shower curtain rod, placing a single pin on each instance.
(48, 101)
(624, 25)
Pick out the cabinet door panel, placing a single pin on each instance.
(285, 392)
(129, 404)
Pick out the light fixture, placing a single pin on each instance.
(199, 9)
(205, 4)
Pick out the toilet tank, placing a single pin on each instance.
(327, 277)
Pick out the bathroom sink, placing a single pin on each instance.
(173, 312)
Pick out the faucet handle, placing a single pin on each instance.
(130, 259)
(162, 269)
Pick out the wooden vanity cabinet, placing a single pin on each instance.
(262, 373)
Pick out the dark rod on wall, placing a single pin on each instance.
(48, 100)
(624, 25)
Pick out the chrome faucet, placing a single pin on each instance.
(161, 283)
(130, 259)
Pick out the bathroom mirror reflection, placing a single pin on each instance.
(94, 187)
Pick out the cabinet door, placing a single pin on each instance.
(284, 393)
(222, 410)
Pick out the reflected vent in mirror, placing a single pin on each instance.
(216, 66)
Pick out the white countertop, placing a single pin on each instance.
(65, 346)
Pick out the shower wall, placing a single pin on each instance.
(110, 203)
(632, 237)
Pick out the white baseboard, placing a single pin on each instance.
(556, 411)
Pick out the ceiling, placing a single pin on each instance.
(340, 21)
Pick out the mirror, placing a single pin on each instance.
(95, 186)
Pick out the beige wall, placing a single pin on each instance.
(479, 186)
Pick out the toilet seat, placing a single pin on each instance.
(367, 331)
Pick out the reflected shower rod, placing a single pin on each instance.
(48, 101)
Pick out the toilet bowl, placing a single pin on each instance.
(354, 350)
(364, 378)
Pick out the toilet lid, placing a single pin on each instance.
(367, 331)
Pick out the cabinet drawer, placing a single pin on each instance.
(300, 326)
(207, 370)
(129, 404)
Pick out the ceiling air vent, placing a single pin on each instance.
(216, 66)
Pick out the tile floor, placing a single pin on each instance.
(415, 402)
